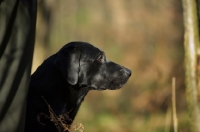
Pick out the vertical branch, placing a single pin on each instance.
(191, 42)
(175, 119)
(198, 47)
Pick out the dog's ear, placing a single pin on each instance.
(67, 61)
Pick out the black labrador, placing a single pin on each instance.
(61, 82)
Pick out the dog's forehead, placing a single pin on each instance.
(87, 50)
(91, 51)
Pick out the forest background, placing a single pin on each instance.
(144, 36)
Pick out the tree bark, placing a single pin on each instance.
(191, 43)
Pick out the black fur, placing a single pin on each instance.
(64, 79)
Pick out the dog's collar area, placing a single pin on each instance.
(76, 87)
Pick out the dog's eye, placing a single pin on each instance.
(100, 58)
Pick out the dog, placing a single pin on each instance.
(59, 85)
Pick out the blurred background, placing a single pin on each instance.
(145, 36)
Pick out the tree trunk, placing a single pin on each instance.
(191, 43)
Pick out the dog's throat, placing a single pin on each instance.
(77, 96)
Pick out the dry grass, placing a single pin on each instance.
(60, 121)
(175, 119)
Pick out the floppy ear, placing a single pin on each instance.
(67, 61)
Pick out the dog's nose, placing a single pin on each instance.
(126, 71)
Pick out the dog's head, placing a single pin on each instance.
(84, 65)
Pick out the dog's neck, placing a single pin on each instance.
(74, 101)
(77, 95)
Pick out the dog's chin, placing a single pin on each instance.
(118, 84)
(101, 88)
(115, 88)
(97, 88)
(109, 87)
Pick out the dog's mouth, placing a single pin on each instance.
(99, 89)
(102, 89)
(113, 84)
(96, 88)
(118, 83)
(110, 88)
